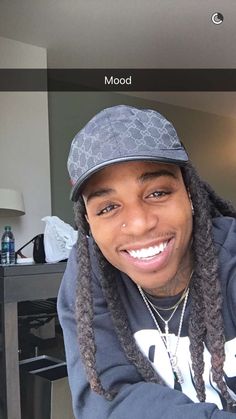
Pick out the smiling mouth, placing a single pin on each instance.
(148, 252)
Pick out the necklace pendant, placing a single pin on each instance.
(178, 377)
(176, 371)
(174, 361)
(177, 374)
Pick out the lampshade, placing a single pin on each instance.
(11, 203)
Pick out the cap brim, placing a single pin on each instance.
(76, 190)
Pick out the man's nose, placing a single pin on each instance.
(139, 219)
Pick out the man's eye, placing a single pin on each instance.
(107, 209)
(158, 194)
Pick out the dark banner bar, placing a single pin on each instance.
(75, 80)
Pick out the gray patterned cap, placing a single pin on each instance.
(118, 134)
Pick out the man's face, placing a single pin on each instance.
(140, 217)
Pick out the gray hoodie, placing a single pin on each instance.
(137, 399)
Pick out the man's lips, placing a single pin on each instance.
(147, 252)
(153, 256)
(146, 245)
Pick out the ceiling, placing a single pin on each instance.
(131, 34)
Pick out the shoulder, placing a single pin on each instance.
(69, 283)
(224, 231)
(67, 290)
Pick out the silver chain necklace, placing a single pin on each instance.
(165, 336)
(176, 304)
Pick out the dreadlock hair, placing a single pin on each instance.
(206, 321)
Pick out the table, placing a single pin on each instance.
(20, 283)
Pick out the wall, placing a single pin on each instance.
(210, 140)
(24, 143)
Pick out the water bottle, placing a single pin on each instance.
(8, 247)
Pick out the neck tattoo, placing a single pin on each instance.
(172, 307)
(166, 336)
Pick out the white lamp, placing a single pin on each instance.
(11, 203)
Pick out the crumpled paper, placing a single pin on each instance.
(59, 238)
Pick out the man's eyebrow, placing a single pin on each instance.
(143, 178)
(158, 173)
(98, 193)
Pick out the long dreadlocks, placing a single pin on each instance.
(206, 321)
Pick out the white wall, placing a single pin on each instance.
(24, 143)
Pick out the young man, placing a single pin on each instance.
(147, 303)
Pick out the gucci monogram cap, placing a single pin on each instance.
(120, 134)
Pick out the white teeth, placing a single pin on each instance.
(148, 252)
